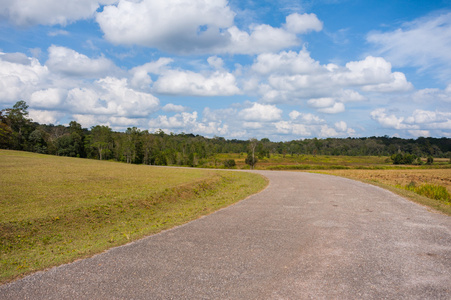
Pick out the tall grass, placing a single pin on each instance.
(432, 191)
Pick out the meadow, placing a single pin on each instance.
(54, 210)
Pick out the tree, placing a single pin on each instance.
(16, 119)
(101, 140)
(5, 132)
(251, 160)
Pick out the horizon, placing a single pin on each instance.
(285, 71)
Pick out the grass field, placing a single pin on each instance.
(54, 210)
(321, 162)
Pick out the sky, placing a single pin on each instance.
(239, 69)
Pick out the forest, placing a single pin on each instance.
(19, 132)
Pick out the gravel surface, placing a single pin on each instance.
(307, 236)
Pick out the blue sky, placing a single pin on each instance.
(283, 70)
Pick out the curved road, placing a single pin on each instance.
(307, 236)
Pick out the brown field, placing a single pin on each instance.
(400, 177)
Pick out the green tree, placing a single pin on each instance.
(17, 120)
(101, 140)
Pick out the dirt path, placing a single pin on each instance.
(307, 236)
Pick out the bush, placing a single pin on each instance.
(403, 159)
(230, 163)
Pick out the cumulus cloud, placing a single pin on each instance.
(50, 98)
(49, 12)
(304, 23)
(45, 116)
(190, 83)
(290, 77)
(418, 123)
(20, 76)
(261, 113)
(288, 63)
(71, 63)
(432, 95)
(140, 74)
(197, 26)
(174, 108)
(424, 43)
(111, 96)
(171, 25)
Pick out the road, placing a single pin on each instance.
(306, 236)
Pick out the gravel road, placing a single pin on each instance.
(307, 236)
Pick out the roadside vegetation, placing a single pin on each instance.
(430, 187)
(54, 210)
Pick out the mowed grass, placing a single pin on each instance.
(433, 181)
(54, 210)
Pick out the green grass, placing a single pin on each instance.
(318, 162)
(432, 191)
(54, 210)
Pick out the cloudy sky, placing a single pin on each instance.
(238, 69)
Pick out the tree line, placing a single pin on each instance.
(19, 132)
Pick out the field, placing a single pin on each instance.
(54, 210)
(321, 162)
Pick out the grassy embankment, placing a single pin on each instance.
(54, 210)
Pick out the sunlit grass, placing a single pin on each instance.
(54, 209)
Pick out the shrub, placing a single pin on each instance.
(230, 163)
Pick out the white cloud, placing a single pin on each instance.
(172, 25)
(321, 102)
(261, 113)
(286, 63)
(140, 74)
(195, 84)
(432, 95)
(48, 12)
(373, 74)
(327, 131)
(71, 63)
(262, 38)
(216, 62)
(420, 123)
(50, 98)
(327, 105)
(174, 108)
(338, 107)
(111, 96)
(19, 78)
(341, 126)
(420, 116)
(45, 116)
(187, 122)
(290, 77)
(304, 23)
(424, 43)
(197, 26)
(388, 121)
